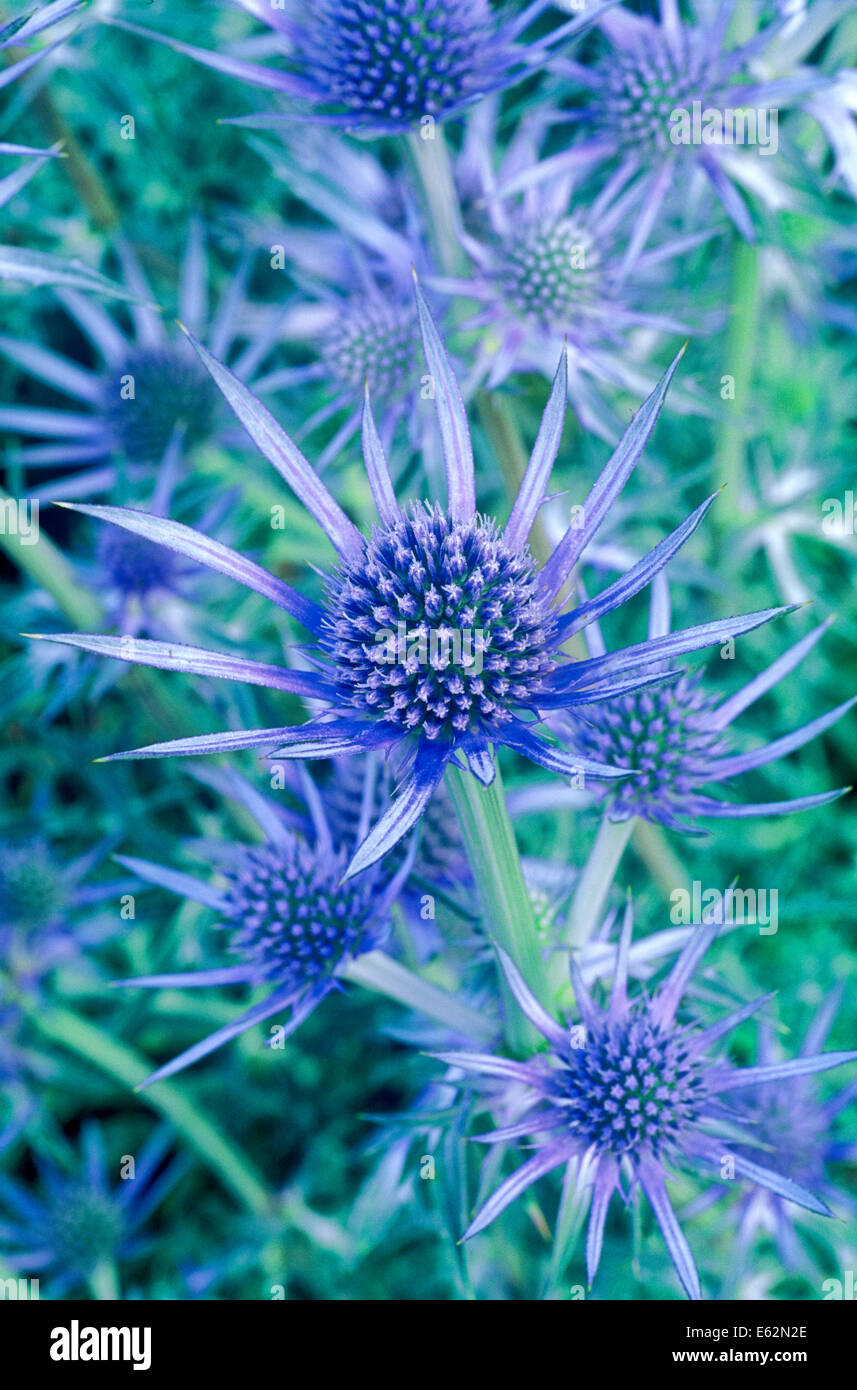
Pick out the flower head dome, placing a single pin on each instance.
(153, 391)
(373, 340)
(80, 1224)
(549, 270)
(676, 738)
(384, 65)
(629, 1092)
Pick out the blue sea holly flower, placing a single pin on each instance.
(383, 65)
(296, 926)
(77, 1225)
(670, 97)
(147, 388)
(675, 737)
(548, 265)
(797, 1128)
(439, 639)
(631, 1093)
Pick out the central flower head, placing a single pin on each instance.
(661, 734)
(374, 341)
(642, 86)
(295, 919)
(397, 60)
(631, 1087)
(153, 391)
(549, 272)
(438, 626)
(85, 1227)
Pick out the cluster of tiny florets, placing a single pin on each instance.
(549, 271)
(153, 391)
(32, 891)
(438, 626)
(397, 60)
(629, 1087)
(661, 734)
(643, 86)
(377, 341)
(294, 919)
(85, 1227)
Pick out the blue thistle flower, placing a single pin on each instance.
(294, 924)
(796, 1128)
(399, 655)
(382, 65)
(655, 70)
(630, 1092)
(674, 736)
(77, 1223)
(548, 266)
(148, 391)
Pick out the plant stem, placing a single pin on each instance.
(492, 853)
(48, 567)
(590, 895)
(434, 170)
(652, 845)
(119, 1061)
(741, 347)
(104, 1282)
(378, 971)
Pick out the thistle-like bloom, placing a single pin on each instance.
(17, 34)
(76, 1226)
(670, 97)
(794, 1124)
(148, 389)
(381, 66)
(439, 639)
(294, 925)
(548, 265)
(630, 1092)
(675, 737)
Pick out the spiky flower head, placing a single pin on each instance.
(376, 341)
(673, 97)
(146, 399)
(292, 923)
(292, 916)
(549, 270)
(77, 1221)
(675, 738)
(385, 65)
(34, 892)
(412, 609)
(151, 393)
(630, 1092)
(439, 625)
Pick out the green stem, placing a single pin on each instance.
(430, 155)
(226, 1162)
(492, 853)
(741, 346)
(651, 844)
(590, 895)
(380, 972)
(104, 1282)
(48, 567)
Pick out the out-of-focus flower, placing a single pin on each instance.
(80, 1225)
(382, 66)
(671, 97)
(629, 1093)
(147, 390)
